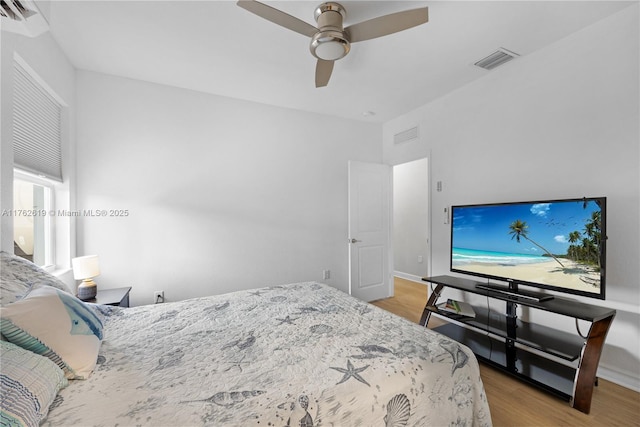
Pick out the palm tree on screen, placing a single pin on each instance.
(574, 250)
(519, 228)
(593, 232)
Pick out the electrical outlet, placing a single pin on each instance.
(158, 297)
(326, 274)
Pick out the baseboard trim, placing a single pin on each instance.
(626, 380)
(408, 276)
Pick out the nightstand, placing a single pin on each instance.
(117, 297)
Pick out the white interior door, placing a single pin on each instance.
(370, 231)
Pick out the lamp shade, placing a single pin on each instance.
(85, 267)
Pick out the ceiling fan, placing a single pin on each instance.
(330, 41)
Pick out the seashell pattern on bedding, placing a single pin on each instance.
(302, 354)
(398, 411)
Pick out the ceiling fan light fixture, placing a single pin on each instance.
(329, 45)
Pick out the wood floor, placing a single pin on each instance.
(514, 403)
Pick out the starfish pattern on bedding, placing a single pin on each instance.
(237, 364)
(288, 320)
(351, 371)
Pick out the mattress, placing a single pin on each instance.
(302, 354)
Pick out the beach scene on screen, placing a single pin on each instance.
(554, 244)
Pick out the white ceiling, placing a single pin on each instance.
(220, 48)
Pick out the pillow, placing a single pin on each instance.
(57, 325)
(18, 276)
(28, 385)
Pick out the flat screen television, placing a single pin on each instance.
(550, 244)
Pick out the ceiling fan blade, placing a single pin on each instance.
(278, 17)
(323, 72)
(387, 24)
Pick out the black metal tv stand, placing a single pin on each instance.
(534, 353)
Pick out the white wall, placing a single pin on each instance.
(222, 194)
(561, 122)
(410, 219)
(43, 55)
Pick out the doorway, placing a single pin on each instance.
(411, 246)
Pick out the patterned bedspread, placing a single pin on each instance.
(302, 354)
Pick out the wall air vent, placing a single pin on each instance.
(496, 59)
(406, 135)
(22, 17)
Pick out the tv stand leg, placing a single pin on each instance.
(586, 377)
(426, 313)
(510, 343)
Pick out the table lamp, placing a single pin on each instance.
(85, 268)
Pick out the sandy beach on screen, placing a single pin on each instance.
(573, 275)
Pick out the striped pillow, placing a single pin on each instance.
(55, 324)
(29, 384)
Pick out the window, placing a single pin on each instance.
(33, 210)
(37, 138)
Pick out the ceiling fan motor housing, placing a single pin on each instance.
(329, 43)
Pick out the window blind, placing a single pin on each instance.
(36, 127)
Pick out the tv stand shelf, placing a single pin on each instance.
(525, 349)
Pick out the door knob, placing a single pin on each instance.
(355, 241)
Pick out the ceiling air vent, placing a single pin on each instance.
(15, 10)
(22, 17)
(496, 59)
(406, 135)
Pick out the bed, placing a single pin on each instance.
(302, 354)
